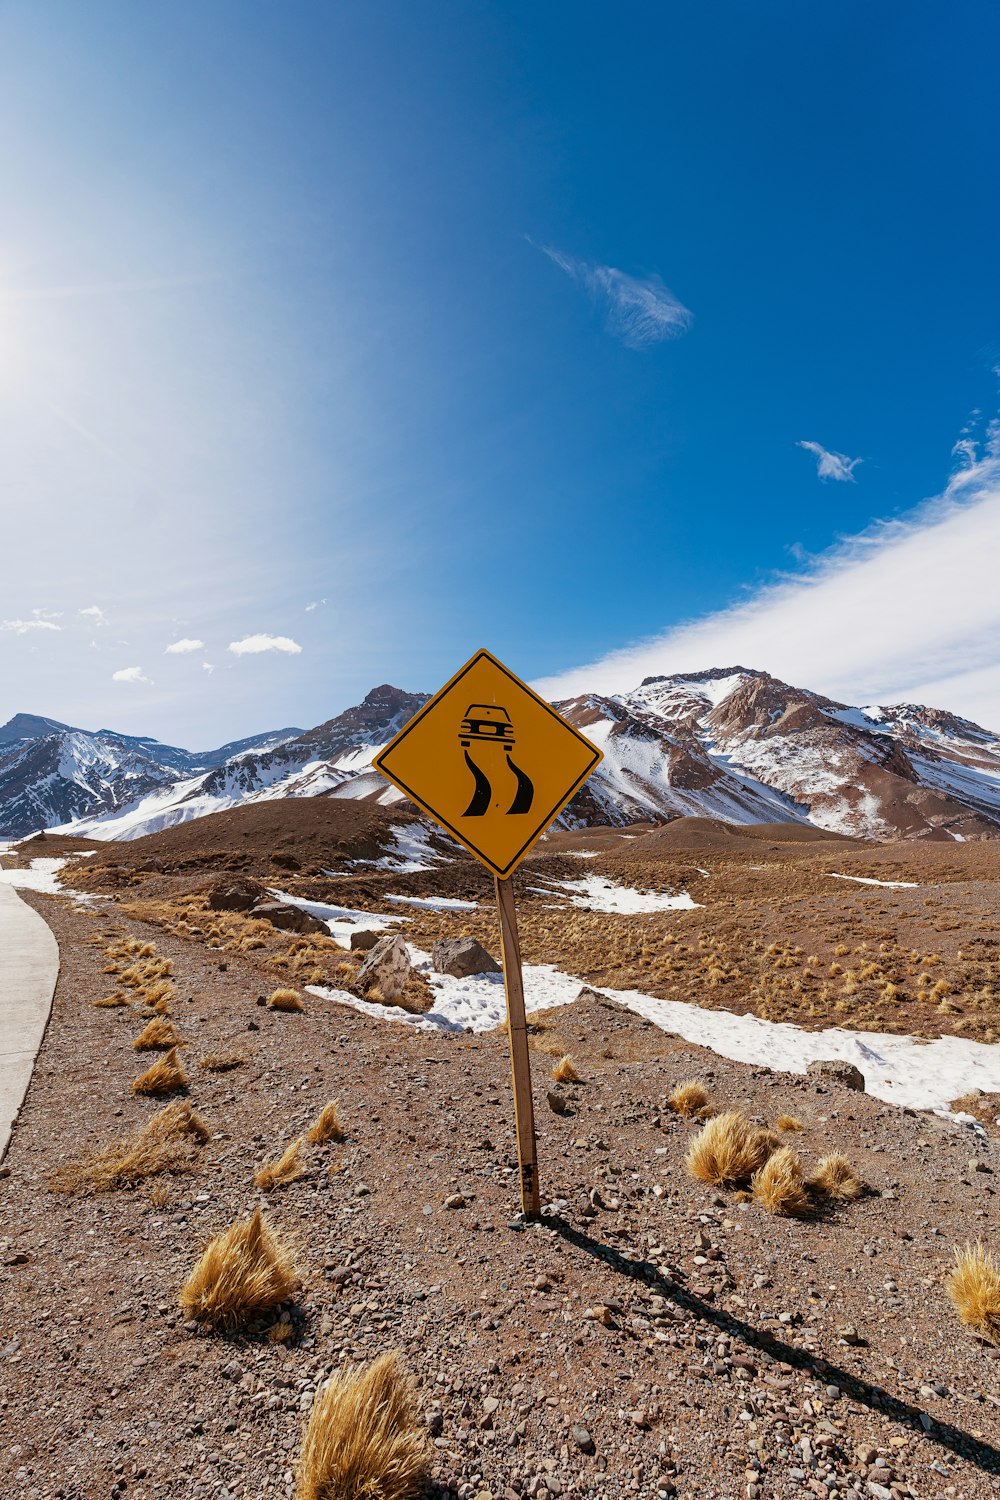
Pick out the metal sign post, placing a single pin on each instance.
(455, 760)
(520, 1061)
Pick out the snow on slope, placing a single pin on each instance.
(731, 743)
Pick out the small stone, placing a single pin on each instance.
(835, 1070)
(582, 1439)
(434, 1422)
(455, 1201)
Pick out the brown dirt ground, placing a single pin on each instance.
(742, 1355)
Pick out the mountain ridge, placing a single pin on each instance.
(734, 743)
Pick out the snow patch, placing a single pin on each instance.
(596, 893)
(893, 885)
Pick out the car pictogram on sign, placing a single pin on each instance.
(486, 721)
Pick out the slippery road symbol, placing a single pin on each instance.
(488, 724)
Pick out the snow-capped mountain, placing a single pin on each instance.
(334, 758)
(731, 743)
(740, 745)
(51, 774)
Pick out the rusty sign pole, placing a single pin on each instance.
(520, 1063)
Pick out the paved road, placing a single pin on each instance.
(29, 967)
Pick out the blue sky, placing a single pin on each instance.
(493, 324)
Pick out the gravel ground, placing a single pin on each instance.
(653, 1337)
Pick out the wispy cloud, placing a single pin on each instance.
(640, 311)
(182, 647)
(831, 465)
(252, 645)
(206, 666)
(131, 674)
(907, 611)
(316, 604)
(22, 627)
(94, 613)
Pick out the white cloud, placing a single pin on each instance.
(831, 465)
(21, 627)
(181, 648)
(131, 674)
(206, 666)
(252, 645)
(95, 613)
(316, 604)
(640, 311)
(909, 611)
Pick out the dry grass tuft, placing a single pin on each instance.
(973, 1285)
(689, 1099)
(364, 1440)
(166, 1076)
(167, 1143)
(156, 1036)
(836, 1179)
(222, 1062)
(565, 1071)
(286, 1168)
(326, 1126)
(729, 1150)
(778, 1186)
(111, 1002)
(243, 1274)
(285, 1000)
(787, 1123)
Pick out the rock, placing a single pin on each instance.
(365, 940)
(236, 895)
(435, 1423)
(287, 918)
(461, 957)
(833, 1070)
(976, 1164)
(285, 861)
(583, 1439)
(556, 1102)
(455, 1201)
(387, 967)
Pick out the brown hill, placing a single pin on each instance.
(292, 833)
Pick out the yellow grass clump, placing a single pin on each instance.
(283, 1169)
(836, 1179)
(111, 1002)
(689, 1099)
(778, 1186)
(364, 1440)
(243, 1274)
(787, 1122)
(285, 1000)
(565, 1071)
(167, 1143)
(973, 1285)
(166, 1076)
(222, 1062)
(326, 1126)
(156, 1036)
(729, 1150)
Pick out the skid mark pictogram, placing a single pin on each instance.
(489, 725)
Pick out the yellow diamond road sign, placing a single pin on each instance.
(490, 761)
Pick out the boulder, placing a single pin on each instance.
(833, 1070)
(461, 957)
(236, 895)
(364, 940)
(286, 862)
(386, 968)
(288, 918)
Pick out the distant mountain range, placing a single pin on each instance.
(731, 743)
